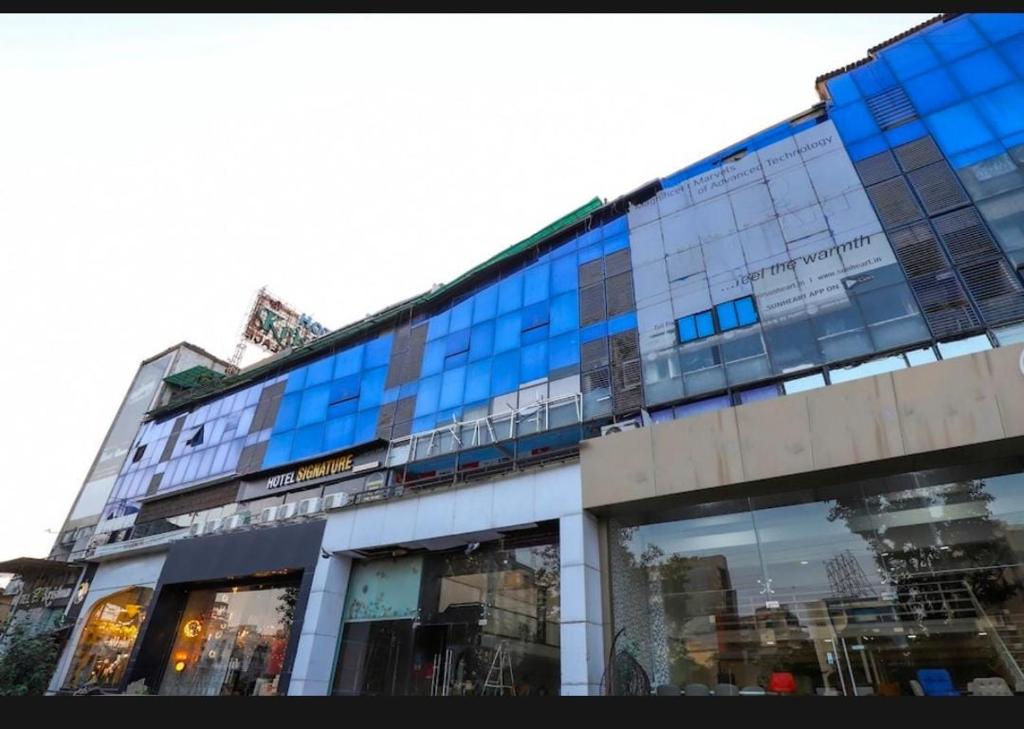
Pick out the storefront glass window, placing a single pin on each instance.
(107, 639)
(231, 641)
(846, 590)
(486, 621)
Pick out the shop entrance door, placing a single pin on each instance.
(446, 660)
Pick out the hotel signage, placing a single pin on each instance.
(327, 467)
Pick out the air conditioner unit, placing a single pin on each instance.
(268, 515)
(308, 507)
(286, 511)
(237, 521)
(197, 529)
(631, 424)
(337, 501)
(213, 525)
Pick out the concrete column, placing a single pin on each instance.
(582, 628)
(321, 629)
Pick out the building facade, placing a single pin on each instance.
(754, 426)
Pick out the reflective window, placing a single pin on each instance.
(804, 383)
(877, 587)
(231, 641)
(867, 369)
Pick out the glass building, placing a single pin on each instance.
(752, 427)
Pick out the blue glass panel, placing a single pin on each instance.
(342, 408)
(910, 57)
(505, 373)
(867, 147)
(535, 283)
(996, 26)
(453, 382)
(905, 133)
(535, 315)
(746, 312)
(478, 381)
(591, 253)
(842, 89)
(703, 406)
(873, 78)
(426, 398)
(615, 227)
(481, 341)
(348, 362)
(727, 316)
(320, 371)
(533, 361)
(622, 323)
(565, 313)
(456, 360)
(616, 243)
(768, 392)
(1013, 53)
(448, 416)
(296, 380)
(457, 342)
(376, 352)
(564, 351)
(485, 304)
(933, 91)
(408, 389)
(1003, 109)
(433, 357)
(339, 432)
(313, 407)
(976, 155)
(594, 331)
(589, 238)
(372, 388)
(279, 449)
(389, 395)
(953, 39)
(366, 425)
(462, 315)
(981, 72)
(287, 412)
(705, 324)
(662, 416)
(420, 425)
(534, 335)
(507, 331)
(854, 121)
(345, 388)
(564, 249)
(959, 128)
(564, 275)
(308, 441)
(510, 293)
(438, 325)
(687, 329)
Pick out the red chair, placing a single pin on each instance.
(782, 683)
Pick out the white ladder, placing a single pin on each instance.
(501, 661)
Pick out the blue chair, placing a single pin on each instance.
(936, 682)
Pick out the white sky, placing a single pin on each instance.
(156, 170)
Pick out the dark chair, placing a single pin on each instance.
(668, 689)
(697, 689)
(727, 689)
(782, 683)
(936, 682)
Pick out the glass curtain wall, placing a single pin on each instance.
(847, 590)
